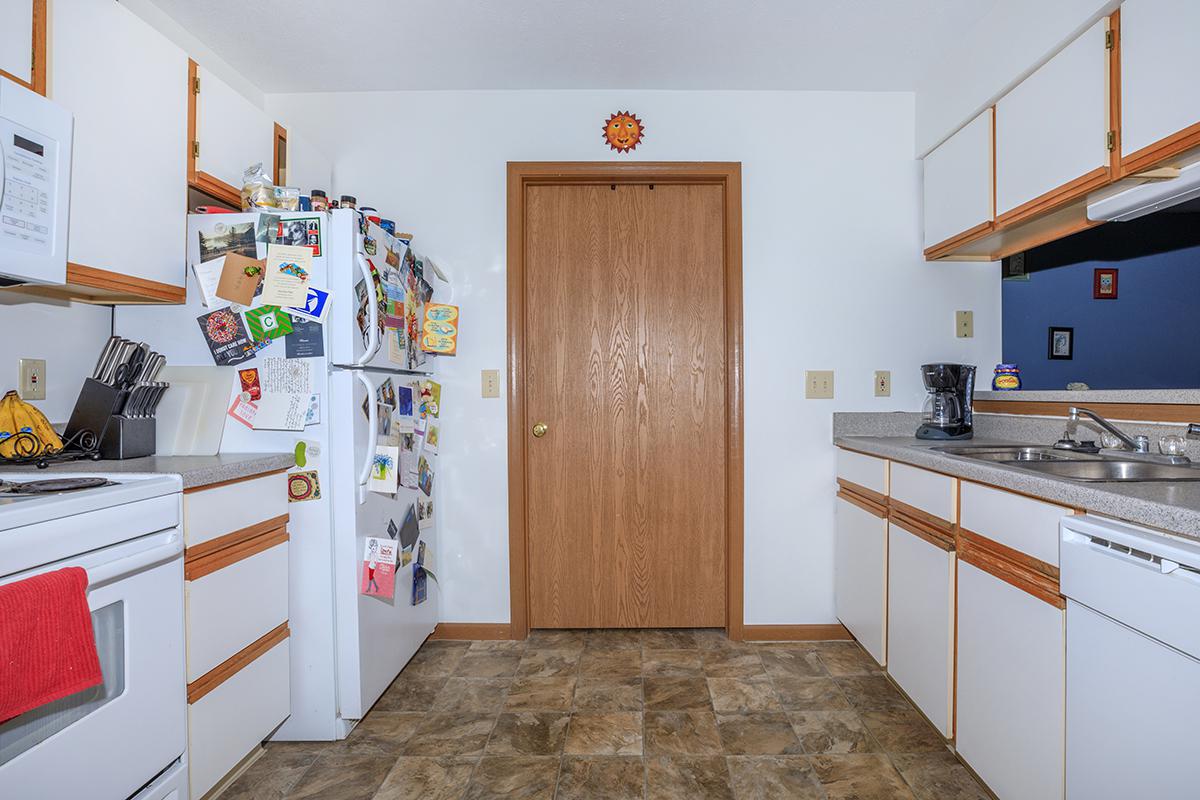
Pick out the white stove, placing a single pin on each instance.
(125, 738)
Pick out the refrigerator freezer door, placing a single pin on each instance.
(375, 637)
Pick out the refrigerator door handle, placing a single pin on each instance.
(372, 425)
(372, 310)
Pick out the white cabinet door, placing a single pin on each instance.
(16, 39)
(1160, 95)
(860, 583)
(307, 167)
(958, 182)
(1011, 687)
(1052, 128)
(126, 84)
(921, 624)
(233, 132)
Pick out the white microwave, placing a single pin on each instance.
(35, 186)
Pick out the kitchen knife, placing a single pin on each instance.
(105, 353)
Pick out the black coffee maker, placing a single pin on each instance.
(947, 412)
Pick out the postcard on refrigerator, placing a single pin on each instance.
(239, 279)
(281, 412)
(425, 512)
(287, 274)
(383, 469)
(379, 568)
(226, 336)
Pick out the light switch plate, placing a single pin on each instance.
(883, 383)
(964, 324)
(818, 384)
(489, 383)
(32, 384)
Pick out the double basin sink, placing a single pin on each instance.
(1102, 467)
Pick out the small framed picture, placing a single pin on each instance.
(1104, 284)
(1061, 345)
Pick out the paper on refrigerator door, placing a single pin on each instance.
(288, 271)
(281, 412)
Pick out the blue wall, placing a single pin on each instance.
(1149, 337)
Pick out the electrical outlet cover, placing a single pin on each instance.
(818, 384)
(964, 324)
(32, 384)
(489, 383)
(883, 383)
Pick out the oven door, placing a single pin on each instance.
(109, 741)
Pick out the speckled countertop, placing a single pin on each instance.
(195, 471)
(1173, 507)
(1170, 396)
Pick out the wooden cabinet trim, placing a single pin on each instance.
(937, 538)
(797, 633)
(193, 89)
(1024, 560)
(1068, 192)
(203, 550)
(100, 286)
(1141, 412)
(1032, 583)
(863, 503)
(278, 164)
(37, 69)
(869, 495)
(930, 521)
(216, 188)
(954, 242)
(231, 666)
(1115, 169)
(1151, 155)
(243, 479)
(196, 568)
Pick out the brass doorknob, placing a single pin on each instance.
(539, 429)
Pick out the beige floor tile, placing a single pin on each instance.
(414, 778)
(382, 733)
(604, 733)
(604, 663)
(687, 778)
(528, 733)
(792, 663)
(557, 640)
(738, 695)
(678, 663)
(810, 694)
(668, 639)
(548, 663)
(472, 694)
(872, 692)
(685, 733)
(272, 775)
(436, 662)
(846, 658)
(459, 734)
(731, 664)
(613, 639)
(410, 693)
(604, 694)
(832, 732)
(486, 664)
(541, 694)
(499, 646)
(765, 734)
(676, 694)
(773, 778)
(715, 639)
(601, 778)
(514, 778)
(902, 731)
(342, 777)
(938, 776)
(860, 776)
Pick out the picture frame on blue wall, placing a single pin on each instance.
(1060, 344)
(1104, 284)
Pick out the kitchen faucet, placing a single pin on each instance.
(1139, 444)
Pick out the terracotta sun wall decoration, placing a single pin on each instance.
(623, 131)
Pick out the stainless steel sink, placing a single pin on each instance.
(1089, 467)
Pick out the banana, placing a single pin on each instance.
(17, 416)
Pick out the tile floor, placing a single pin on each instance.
(626, 714)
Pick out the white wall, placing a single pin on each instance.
(68, 335)
(833, 279)
(1015, 38)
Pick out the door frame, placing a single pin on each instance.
(727, 175)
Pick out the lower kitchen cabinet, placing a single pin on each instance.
(1011, 684)
(860, 583)
(920, 628)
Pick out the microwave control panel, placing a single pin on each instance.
(27, 201)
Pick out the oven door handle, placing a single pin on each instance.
(120, 567)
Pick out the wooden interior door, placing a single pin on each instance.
(625, 365)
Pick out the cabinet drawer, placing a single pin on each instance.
(1021, 523)
(860, 576)
(212, 513)
(865, 471)
(231, 720)
(930, 493)
(229, 609)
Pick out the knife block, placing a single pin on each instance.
(119, 437)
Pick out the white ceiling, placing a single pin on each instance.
(359, 45)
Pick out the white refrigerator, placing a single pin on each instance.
(346, 647)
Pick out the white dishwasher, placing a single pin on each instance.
(1133, 661)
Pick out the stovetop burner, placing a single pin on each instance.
(52, 485)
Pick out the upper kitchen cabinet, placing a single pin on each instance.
(958, 187)
(1052, 131)
(129, 103)
(1160, 96)
(23, 43)
(227, 133)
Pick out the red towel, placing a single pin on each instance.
(47, 648)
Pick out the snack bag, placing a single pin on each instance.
(257, 189)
